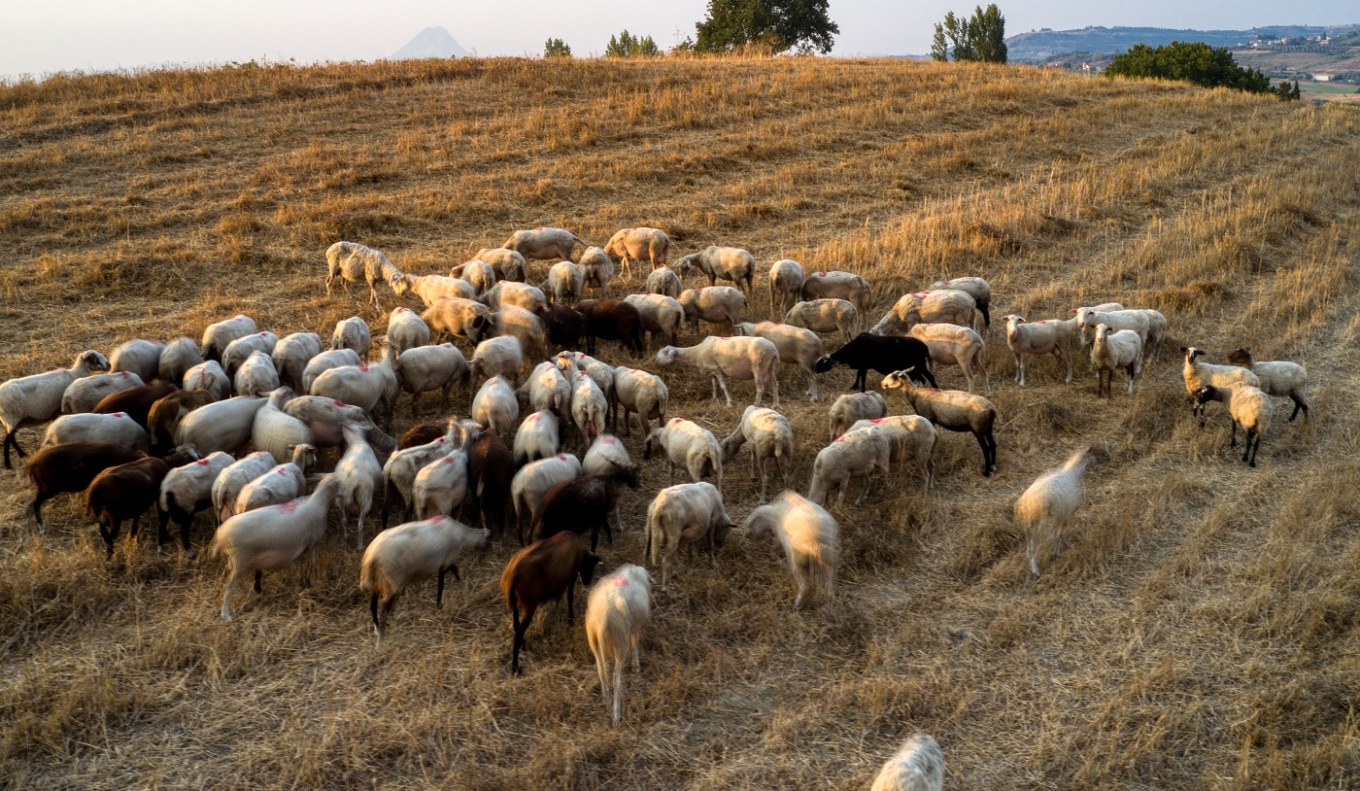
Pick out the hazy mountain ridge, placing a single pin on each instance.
(1038, 46)
(432, 42)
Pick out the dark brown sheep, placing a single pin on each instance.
(541, 572)
(70, 467)
(565, 327)
(584, 504)
(491, 467)
(136, 402)
(611, 320)
(129, 490)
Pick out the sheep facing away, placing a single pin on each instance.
(618, 608)
(1249, 407)
(852, 453)
(917, 766)
(1278, 378)
(541, 572)
(686, 512)
(1046, 507)
(807, 534)
(770, 437)
(402, 556)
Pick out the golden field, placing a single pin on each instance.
(1200, 629)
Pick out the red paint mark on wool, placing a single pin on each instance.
(363, 367)
(289, 507)
(281, 471)
(338, 402)
(202, 462)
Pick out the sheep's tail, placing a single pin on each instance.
(368, 578)
(216, 548)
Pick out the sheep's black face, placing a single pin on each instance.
(824, 364)
(591, 566)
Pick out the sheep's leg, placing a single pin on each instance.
(226, 597)
(618, 687)
(1234, 435)
(982, 368)
(637, 656)
(1298, 404)
(571, 603)
(38, 500)
(1020, 368)
(801, 581)
(867, 483)
(258, 575)
(521, 626)
(722, 383)
(812, 384)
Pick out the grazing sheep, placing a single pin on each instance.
(851, 454)
(544, 243)
(499, 356)
(808, 535)
(89, 427)
(589, 407)
(564, 283)
(185, 491)
(541, 572)
(520, 295)
(739, 358)
(1114, 350)
(713, 304)
(917, 766)
(323, 418)
(271, 538)
(256, 376)
(359, 477)
(352, 333)
(505, 264)
(639, 244)
(977, 288)
(548, 388)
(533, 481)
(909, 435)
(1249, 407)
(404, 555)
(852, 407)
(638, 391)
(478, 274)
(689, 444)
(1156, 333)
(135, 401)
(406, 330)
(825, 315)
(84, 393)
(140, 357)
(227, 486)
(1278, 378)
(797, 346)
(491, 467)
(69, 468)
(1046, 507)
(208, 375)
(564, 326)
(163, 420)
(1039, 337)
(221, 425)
(372, 387)
(524, 327)
(786, 280)
(354, 263)
(721, 263)
(240, 349)
(291, 355)
(426, 368)
(1199, 375)
(276, 431)
(432, 288)
(617, 610)
(603, 373)
(402, 467)
(327, 360)
(538, 437)
(882, 353)
(280, 484)
(219, 335)
(946, 306)
(597, 268)
(584, 503)
(612, 320)
(459, 318)
(661, 316)
(495, 407)
(440, 486)
(953, 410)
(605, 455)
(950, 344)
(770, 436)
(686, 512)
(129, 490)
(838, 285)
(176, 358)
(30, 400)
(665, 282)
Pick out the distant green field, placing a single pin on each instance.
(1327, 87)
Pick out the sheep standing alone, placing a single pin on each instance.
(1047, 505)
(770, 437)
(954, 410)
(917, 766)
(686, 512)
(1249, 408)
(30, 400)
(739, 358)
(404, 555)
(618, 608)
(950, 344)
(690, 444)
(1114, 350)
(786, 280)
(1278, 378)
(639, 244)
(355, 263)
(853, 453)
(807, 534)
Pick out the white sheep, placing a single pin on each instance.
(523, 326)
(219, 335)
(325, 361)
(770, 437)
(686, 512)
(1199, 375)
(227, 485)
(280, 484)
(401, 468)
(208, 375)
(909, 435)
(221, 425)
(371, 387)
(836, 284)
(495, 407)
(478, 274)
(1112, 351)
(426, 368)
(355, 263)
(713, 304)
(176, 358)
(533, 481)
(276, 431)
(441, 485)
(407, 554)
(256, 376)
(917, 766)
(603, 373)
(1039, 337)
(662, 316)
(1249, 407)
(619, 607)
(520, 295)
(739, 358)
(291, 355)
(406, 330)
(360, 478)
(186, 490)
(825, 315)
(85, 393)
(239, 350)
(1135, 320)
(721, 263)
(850, 407)
(977, 288)
(797, 346)
(538, 437)
(506, 264)
(589, 407)
(544, 243)
(141, 357)
(607, 455)
(564, 284)
(272, 537)
(640, 244)
(950, 344)
(786, 280)
(643, 393)
(854, 453)
(597, 268)
(944, 306)
(352, 333)
(458, 318)
(954, 410)
(499, 356)
(1046, 507)
(1278, 378)
(665, 282)
(432, 288)
(688, 444)
(807, 534)
(30, 400)
(116, 427)
(547, 388)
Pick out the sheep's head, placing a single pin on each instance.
(93, 360)
(651, 440)
(667, 355)
(399, 283)
(627, 473)
(824, 364)
(1191, 353)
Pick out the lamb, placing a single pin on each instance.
(690, 444)
(882, 353)
(89, 427)
(256, 376)
(426, 368)
(564, 284)
(69, 468)
(1249, 407)
(1279, 378)
(950, 344)
(953, 410)
(538, 437)
(372, 388)
(479, 275)
(128, 490)
(221, 425)
(410, 553)
(506, 264)
(640, 392)
(524, 327)
(135, 401)
(354, 263)
(166, 413)
(1113, 350)
(1040, 337)
(278, 432)
(291, 355)
(544, 243)
(640, 244)
(176, 358)
(739, 358)
(458, 318)
(770, 436)
(713, 304)
(851, 454)
(841, 285)
(359, 477)
(491, 467)
(853, 407)
(825, 315)
(499, 356)
(352, 333)
(584, 504)
(533, 481)
(909, 435)
(619, 607)
(726, 263)
(219, 335)
(977, 288)
(228, 484)
(541, 572)
(946, 306)
(1046, 507)
(140, 357)
(612, 320)
(661, 316)
(279, 485)
(589, 407)
(238, 350)
(271, 538)
(548, 388)
(327, 360)
(786, 280)
(597, 268)
(406, 330)
(432, 288)
(520, 295)
(208, 375)
(30, 400)
(441, 485)
(495, 407)
(688, 512)
(797, 346)
(185, 491)
(665, 282)
(84, 393)
(1199, 375)
(917, 766)
(808, 535)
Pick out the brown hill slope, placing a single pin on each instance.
(1199, 630)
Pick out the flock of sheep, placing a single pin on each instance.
(168, 426)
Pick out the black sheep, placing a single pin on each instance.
(884, 354)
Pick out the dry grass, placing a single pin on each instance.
(1198, 631)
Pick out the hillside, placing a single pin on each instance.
(1199, 629)
(1041, 46)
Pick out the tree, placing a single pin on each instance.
(556, 48)
(779, 25)
(625, 45)
(981, 37)
(1188, 61)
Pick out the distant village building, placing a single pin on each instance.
(1321, 77)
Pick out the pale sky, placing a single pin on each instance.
(45, 36)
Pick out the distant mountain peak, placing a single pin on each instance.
(432, 42)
